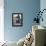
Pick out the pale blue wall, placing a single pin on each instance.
(28, 8)
(43, 6)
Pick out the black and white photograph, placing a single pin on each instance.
(17, 19)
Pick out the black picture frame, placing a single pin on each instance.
(17, 19)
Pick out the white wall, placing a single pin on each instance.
(1, 20)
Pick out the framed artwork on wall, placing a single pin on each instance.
(17, 19)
